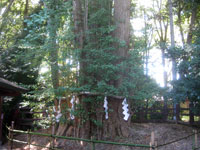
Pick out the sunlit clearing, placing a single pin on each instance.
(81, 143)
(145, 3)
(155, 66)
(31, 146)
(138, 25)
(34, 2)
(48, 145)
(44, 69)
(2, 11)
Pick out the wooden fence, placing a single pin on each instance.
(153, 145)
(93, 142)
(159, 114)
(26, 118)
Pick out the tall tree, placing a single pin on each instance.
(51, 44)
(103, 46)
(174, 72)
(161, 24)
(122, 32)
(192, 23)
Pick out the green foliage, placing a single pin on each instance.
(49, 28)
(187, 86)
(12, 66)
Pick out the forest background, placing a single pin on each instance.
(58, 48)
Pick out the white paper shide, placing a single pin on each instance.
(125, 109)
(72, 109)
(59, 114)
(105, 105)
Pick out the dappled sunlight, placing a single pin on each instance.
(31, 146)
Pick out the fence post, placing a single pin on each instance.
(11, 136)
(53, 139)
(93, 143)
(152, 142)
(195, 139)
(191, 107)
(29, 139)
(156, 144)
(12, 126)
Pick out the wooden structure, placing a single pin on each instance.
(26, 118)
(8, 88)
(156, 114)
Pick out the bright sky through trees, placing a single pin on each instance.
(155, 64)
(34, 1)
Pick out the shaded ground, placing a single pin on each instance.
(140, 134)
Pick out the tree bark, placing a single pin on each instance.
(8, 8)
(26, 13)
(78, 23)
(162, 31)
(3, 16)
(180, 24)
(172, 39)
(94, 111)
(174, 72)
(122, 32)
(192, 24)
(52, 28)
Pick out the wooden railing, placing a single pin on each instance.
(27, 118)
(158, 115)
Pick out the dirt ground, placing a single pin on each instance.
(139, 134)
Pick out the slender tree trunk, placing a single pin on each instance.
(192, 24)
(3, 16)
(163, 47)
(172, 39)
(146, 55)
(180, 25)
(26, 13)
(162, 33)
(53, 48)
(174, 73)
(8, 8)
(164, 66)
(52, 27)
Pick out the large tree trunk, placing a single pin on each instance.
(52, 28)
(110, 127)
(122, 32)
(122, 21)
(116, 125)
(93, 110)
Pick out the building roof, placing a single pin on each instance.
(8, 88)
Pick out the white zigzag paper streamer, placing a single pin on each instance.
(72, 109)
(125, 109)
(59, 114)
(105, 105)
